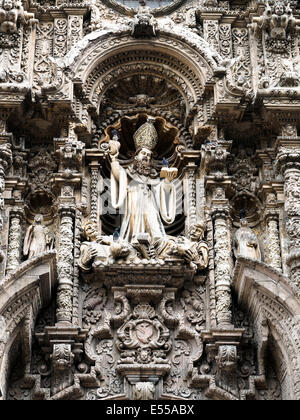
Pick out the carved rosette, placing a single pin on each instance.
(15, 239)
(223, 266)
(65, 266)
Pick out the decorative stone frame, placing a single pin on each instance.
(273, 305)
(23, 293)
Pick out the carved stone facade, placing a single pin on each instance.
(149, 200)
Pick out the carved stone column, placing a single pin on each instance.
(94, 215)
(5, 163)
(273, 250)
(191, 194)
(223, 265)
(65, 266)
(288, 162)
(15, 239)
(69, 152)
(217, 181)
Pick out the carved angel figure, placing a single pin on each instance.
(38, 238)
(101, 249)
(246, 243)
(193, 250)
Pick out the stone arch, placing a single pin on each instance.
(272, 303)
(177, 55)
(185, 44)
(22, 294)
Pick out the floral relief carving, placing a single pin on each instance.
(143, 339)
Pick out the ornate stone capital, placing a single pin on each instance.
(17, 213)
(287, 159)
(271, 214)
(67, 210)
(220, 212)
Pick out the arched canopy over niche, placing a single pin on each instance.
(142, 90)
(169, 73)
(160, 78)
(168, 138)
(170, 145)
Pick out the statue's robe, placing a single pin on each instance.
(144, 204)
(246, 244)
(35, 240)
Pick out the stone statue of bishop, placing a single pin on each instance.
(147, 199)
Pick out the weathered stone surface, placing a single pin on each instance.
(149, 200)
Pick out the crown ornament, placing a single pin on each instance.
(146, 136)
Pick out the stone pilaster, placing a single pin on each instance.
(65, 266)
(225, 38)
(75, 26)
(223, 265)
(60, 36)
(211, 29)
(14, 239)
(288, 162)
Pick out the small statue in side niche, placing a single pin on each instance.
(101, 249)
(246, 243)
(193, 250)
(38, 238)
